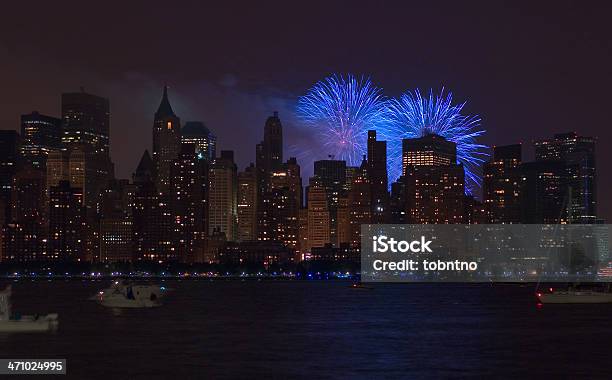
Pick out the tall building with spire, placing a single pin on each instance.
(166, 142)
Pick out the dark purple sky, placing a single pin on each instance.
(529, 69)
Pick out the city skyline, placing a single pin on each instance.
(61, 200)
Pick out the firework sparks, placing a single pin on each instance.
(414, 116)
(340, 110)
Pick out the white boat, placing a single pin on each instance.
(26, 323)
(575, 296)
(126, 295)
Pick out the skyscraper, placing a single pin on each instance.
(223, 196)
(195, 132)
(318, 216)
(117, 222)
(268, 158)
(9, 161)
(153, 219)
(86, 123)
(577, 153)
(66, 222)
(166, 142)
(40, 134)
(377, 171)
(543, 192)
(247, 204)
(26, 231)
(331, 174)
(189, 201)
(273, 143)
(435, 184)
(359, 204)
(501, 185)
(282, 203)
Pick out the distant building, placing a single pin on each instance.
(343, 253)
(264, 253)
(223, 195)
(40, 134)
(502, 185)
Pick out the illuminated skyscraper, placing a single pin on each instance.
(195, 132)
(9, 161)
(331, 174)
(189, 201)
(66, 222)
(153, 219)
(501, 185)
(435, 184)
(359, 204)
(268, 158)
(318, 216)
(282, 203)
(40, 134)
(86, 123)
(429, 150)
(117, 222)
(166, 142)
(26, 232)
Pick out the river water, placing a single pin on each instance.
(315, 329)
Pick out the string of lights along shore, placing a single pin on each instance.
(415, 159)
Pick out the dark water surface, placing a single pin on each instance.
(288, 329)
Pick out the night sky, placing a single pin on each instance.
(529, 70)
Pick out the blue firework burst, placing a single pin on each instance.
(414, 116)
(340, 110)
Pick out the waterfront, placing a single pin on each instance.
(231, 328)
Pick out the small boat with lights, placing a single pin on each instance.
(15, 323)
(361, 285)
(573, 296)
(122, 294)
